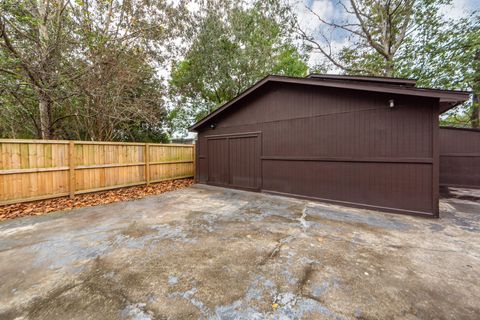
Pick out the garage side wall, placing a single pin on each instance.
(460, 157)
(338, 145)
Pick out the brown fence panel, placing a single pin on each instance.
(106, 166)
(170, 162)
(460, 157)
(38, 169)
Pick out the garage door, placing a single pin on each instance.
(234, 161)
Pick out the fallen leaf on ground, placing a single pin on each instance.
(18, 210)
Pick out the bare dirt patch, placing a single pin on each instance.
(38, 208)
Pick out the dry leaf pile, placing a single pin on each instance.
(37, 208)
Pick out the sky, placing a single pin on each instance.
(458, 8)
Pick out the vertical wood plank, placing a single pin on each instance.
(146, 159)
(100, 165)
(436, 164)
(71, 164)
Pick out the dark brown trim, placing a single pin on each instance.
(460, 154)
(229, 186)
(465, 129)
(450, 97)
(389, 80)
(353, 204)
(260, 153)
(350, 159)
(461, 186)
(436, 163)
(233, 135)
(229, 171)
(229, 103)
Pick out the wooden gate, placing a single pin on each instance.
(234, 161)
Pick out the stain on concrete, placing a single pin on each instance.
(172, 280)
(436, 227)
(213, 253)
(135, 312)
(350, 216)
(136, 230)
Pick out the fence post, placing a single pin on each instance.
(71, 168)
(147, 163)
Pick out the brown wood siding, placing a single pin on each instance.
(218, 161)
(244, 162)
(460, 157)
(339, 145)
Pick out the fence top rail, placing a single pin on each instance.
(79, 142)
(171, 145)
(12, 141)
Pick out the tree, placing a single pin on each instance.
(34, 35)
(122, 42)
(405, 38)
(85, 69)
(232, 47)
(120, 98)
(376, 30)
(447, 55)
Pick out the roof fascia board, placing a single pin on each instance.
(386, 80)
(419, 92)
(458, 128)
(227, 104)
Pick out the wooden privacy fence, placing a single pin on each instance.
(37, 169)
(459, 157)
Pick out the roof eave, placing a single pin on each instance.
(409, 82)
(225, 105)
(446, 105)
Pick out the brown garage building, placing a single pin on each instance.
(460, 157)
(364, 141)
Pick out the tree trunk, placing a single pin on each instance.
(45, 123)
(44, 102)
(389, 67)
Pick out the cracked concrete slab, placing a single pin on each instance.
(213, 253)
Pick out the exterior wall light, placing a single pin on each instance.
(391, 103)
(212, 126)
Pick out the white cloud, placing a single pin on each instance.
(327, 10)
(323, 8)
(460, 8)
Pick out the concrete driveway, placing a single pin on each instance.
(213, 253)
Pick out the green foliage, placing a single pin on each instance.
(446, 54)
(408, 30)
(232, 47)
(290, 63)
(456, 119)
(85, 69)
(439, 52)
(360, 61)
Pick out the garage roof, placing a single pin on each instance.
(448, 98)
(378, 80)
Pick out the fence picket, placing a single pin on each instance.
(37, 169)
